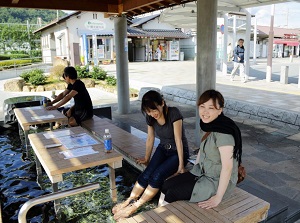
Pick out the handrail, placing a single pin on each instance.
(53, 196)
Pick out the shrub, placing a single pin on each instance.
(16, 52)
(57, 71)
(82, 72)
(37, 79)
(36, 53)
(19, 56)
(111, 80)
(4, 57)
(35, 76)
(13, 63)
(34, 60)
(98, 73)
(26, 75)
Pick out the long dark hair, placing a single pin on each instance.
(151, 100)
(222, 123)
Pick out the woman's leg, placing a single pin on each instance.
(179, 187)
(143, 179)
(164, 170)
(148, 194)
(135, 193)
(157, 159)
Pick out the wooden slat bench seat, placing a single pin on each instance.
(129, 145)
(240, 207)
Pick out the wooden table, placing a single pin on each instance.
(55, 165)
(37, 115)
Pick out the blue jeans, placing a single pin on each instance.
(163, 164)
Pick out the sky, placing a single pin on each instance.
(287, 15)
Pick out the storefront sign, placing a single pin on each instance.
(95, 25)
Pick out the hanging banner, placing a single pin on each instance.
(101, 51)
(85, 49)
(95, 56)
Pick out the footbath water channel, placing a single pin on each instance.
(18, 184)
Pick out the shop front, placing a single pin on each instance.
(151, 46)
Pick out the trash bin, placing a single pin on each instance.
(181, 56)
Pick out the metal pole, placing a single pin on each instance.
(270, 47)
(50, 197)
(255, 40)
(225, 44)
(234, 43)
(247, 44)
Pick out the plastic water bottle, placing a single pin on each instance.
(107, 141)
(45, 102)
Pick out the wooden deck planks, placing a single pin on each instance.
(186, 212)
(254, 210)
(195, 210)
(238, 204)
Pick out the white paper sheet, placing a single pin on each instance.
(83, 151)
(57, 134)
(34, 108)
(78, 140)
(42, 117)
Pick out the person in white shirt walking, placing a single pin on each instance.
(238, 60)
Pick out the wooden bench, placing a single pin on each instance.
(130, 146)
(240, 207)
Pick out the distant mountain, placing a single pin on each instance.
(18, 15)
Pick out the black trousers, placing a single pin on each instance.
(179, 187)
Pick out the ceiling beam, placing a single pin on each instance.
(129, 5)
(83, 5)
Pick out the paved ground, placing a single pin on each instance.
(271, 153)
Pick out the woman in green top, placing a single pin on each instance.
(215, 172)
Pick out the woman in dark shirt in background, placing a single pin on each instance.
(170, 156)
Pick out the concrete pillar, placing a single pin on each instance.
(255, 40)
(270, 47)
(148, 49)
(225, 44)
(284, 75)
(299, 78)
(234, 41)
(247, 43)
(206, 51)
(121, 42)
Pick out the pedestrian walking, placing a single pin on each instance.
(238, 60)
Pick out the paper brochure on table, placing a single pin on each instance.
(34, 108)
(83, 151)
(51, 135)
(78, 140)
(42, 117)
